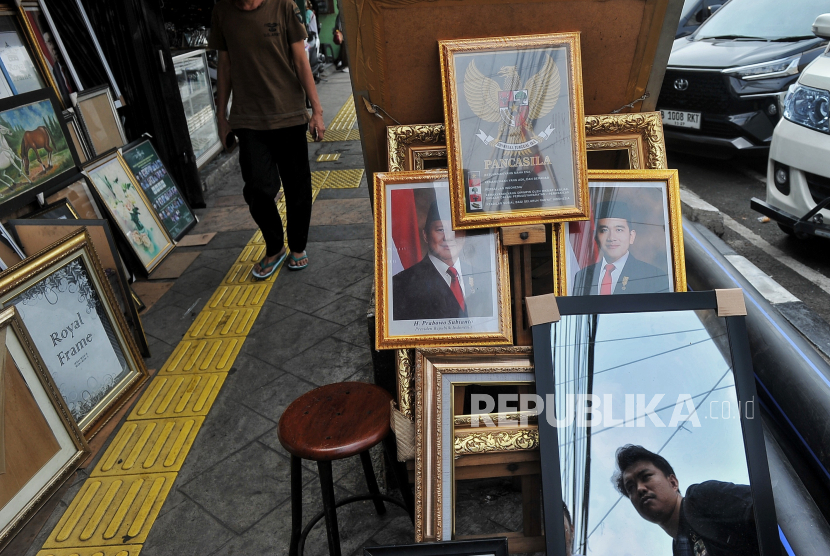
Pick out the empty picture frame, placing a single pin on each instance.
(61, 294)
(129, 210)
(99, 120)
(35, 235)
(42, 445)
(76, 191)
(638, 393)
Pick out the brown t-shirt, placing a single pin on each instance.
(267, 93)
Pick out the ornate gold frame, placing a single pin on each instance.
(641, 134)
(40, 60)
(461, 219)
(430, 367)
(383, 339)
(675, 224)
(11, 321)
(29, 272)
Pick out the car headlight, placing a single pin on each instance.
(767, 70)
(808, 107)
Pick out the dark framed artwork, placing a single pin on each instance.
(477, 547)
(515, 135)
(435, 286)
(35, 235)
(158, 185)
(77, 135)
(651, 433)
(35, 150)
(20, 70)
(59, 210)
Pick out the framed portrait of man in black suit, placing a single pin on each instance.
(435, 285)
(633, 241)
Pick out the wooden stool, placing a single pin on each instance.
(336, 422)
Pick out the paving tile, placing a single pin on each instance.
(247, 375)
(356, 333)
(186, 530)
(341, 211)
(159, 351)
(271, 439)
(203, 356)
(350, 247)
(226, 219)
(329, 362)
(227, 201)
(398, 530)
(272, 399)
(358, 522)
(273, 532)
(363, 374)
(228, 240)
(361, 289)
(259, 482)
(200, 281)
(341, 274)
(167, 323)
(268, 315)
(343, 310)
(230, 427)
(337, 233)
(356, 193)
(288, 336)
(298, 295)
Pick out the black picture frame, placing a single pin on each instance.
(59, 210)
(474, 547)
(752, 431)
(27, 195)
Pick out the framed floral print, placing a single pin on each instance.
(515, 134)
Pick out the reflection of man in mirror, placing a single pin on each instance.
(443, 285)
(713, 519)
(57, 68)
(619, 271)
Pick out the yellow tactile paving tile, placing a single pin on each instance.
(203, 356)
(317, 181)
(130, 550)
(240, 273)
(230, 297)
(345, 117)
(252, 253)
(337, 135)
(112, 511)
(344, 179)
(179, 396)
(149, 446)
(330, 157)
(257, 238)
(222, 322)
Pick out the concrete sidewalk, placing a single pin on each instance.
(231, 495)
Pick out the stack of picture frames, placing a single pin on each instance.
(517, 194)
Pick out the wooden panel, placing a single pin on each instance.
(523, 235)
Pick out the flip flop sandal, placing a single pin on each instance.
(271, 267)
(296, 260)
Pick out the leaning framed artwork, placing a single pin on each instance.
(130, 210)
(100, 120)
(515, 133)
(62, 295)
(35, 150)
(633, 242)
(41, 443)
(637, 391)
(435, 287)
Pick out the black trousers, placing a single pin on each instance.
(265, 156)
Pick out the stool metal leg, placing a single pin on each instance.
(296, 504)
(401, 476)
(372, 482)
(327, 485)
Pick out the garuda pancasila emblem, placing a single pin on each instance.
(516, 107)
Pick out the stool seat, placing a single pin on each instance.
(335, 421)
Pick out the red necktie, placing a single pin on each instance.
(455, 286)
(606, 280)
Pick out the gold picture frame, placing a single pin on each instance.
(85, 330)
(440, 443)
(639, 134)
(670, 219)
(502, 126)
(42, 445)
(416, 306)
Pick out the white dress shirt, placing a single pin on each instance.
(442, 270)
(615, 274)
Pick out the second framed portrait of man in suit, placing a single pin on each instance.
(633, 241)
(435, 286)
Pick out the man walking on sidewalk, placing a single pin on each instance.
(262, 59)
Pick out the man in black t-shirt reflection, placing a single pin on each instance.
(713, 519)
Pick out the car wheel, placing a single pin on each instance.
(791, 232)
(786, 229)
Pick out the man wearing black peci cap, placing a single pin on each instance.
(441, 285)
(619, 271)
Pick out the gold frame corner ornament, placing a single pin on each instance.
(465, 220)
(383, 338)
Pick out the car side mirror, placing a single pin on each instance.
(821, 27)
(701, 15)
(713, 8)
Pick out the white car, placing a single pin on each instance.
(798, 170)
